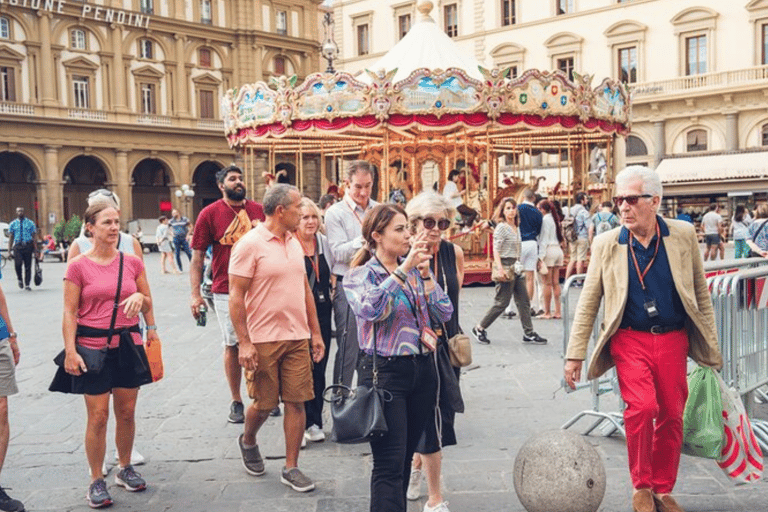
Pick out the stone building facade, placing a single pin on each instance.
(124, 94)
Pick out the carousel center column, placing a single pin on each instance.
(124, 186)
(54, 187)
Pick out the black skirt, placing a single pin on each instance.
(122, 369)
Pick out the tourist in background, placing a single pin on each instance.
(180, 227)
(163, 240)
(758, 231)
(551, 242)
(740, 223)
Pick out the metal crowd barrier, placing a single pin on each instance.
(741, 328)
(610, 422)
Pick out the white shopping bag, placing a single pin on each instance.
(742, 459)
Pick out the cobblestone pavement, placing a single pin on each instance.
(192, 457)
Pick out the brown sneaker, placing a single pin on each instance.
(667, 504)
(642, 501)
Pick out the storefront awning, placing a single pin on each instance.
(712, 174)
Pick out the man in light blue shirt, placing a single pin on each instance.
(344, 227)
(21, 243)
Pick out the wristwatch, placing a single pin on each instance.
(13, 334)
(151, 327)
(398, 273)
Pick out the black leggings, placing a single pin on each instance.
(412, 382)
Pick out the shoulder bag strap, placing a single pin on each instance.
(116, 304)
(375, 367)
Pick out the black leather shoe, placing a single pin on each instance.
(481, 336)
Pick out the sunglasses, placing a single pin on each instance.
(631, 200)
(442, 224)
(101, 192)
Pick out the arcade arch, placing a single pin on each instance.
(205, 186)
(18, 186)
(151, 193)
(82, 175)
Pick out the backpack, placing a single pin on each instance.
(603, 225)
(569, 229)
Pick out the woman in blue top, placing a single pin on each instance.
(396, 294)
(758, 231)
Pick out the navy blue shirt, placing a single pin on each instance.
(658, 285)
(530, 221)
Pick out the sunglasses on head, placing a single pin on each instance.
(442, 224)
(631, 200)
(101, 192)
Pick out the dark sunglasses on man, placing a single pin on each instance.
(631, 200)
(442, 224)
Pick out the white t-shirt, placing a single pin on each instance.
(449, 190)
(711, 223)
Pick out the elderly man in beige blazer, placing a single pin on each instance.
(657, 312)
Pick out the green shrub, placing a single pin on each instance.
(58, 231)
(72, 228)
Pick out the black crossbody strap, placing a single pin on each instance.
(116, 304)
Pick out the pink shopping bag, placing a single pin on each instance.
(742, 459)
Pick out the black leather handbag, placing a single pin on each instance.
(358, 414)
(93, 358)
(38, 273)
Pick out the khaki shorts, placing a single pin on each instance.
(284, 372)
(554, 256)
(578, 249)
(7, 370)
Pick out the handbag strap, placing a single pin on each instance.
(116, 304)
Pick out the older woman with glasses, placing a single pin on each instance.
(429, 215)
(507, 247)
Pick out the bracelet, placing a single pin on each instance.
(428, 278)
(151, 327)
(13, 334)
(400, 275)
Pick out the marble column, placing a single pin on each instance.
(118, 69)
(732, 131)
(123, 180)
(660, 142)
(182, 108)
(46, 60)
(53, 186)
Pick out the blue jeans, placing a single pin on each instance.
(180, 244)
(412, 381)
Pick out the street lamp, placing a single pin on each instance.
(329, 49)
(185, 193)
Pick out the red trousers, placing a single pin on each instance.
(652, 379)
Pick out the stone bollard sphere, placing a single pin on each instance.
(559, 471)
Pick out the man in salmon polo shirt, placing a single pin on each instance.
(273, 313)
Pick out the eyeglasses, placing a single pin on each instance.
(442, 224)
(631, 200)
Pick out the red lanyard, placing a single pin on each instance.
(313, 258)
(641, 275)
(354, 213)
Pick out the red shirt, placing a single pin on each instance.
(211, 225)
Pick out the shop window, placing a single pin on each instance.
(696, 140)
(564, 7)
(764, 135)
(281, 23)
(451, 19)
(77, 39)
(696, 55)
(565, 64)
(206, 13)
(7, 84)
(636, 146)
(148, 6)
(363, 35)
(204, 57)
(279, 65)
(146, 49)
(81, 91)
(206, 104)
(5, 28)
(148, 105)
(507, 13)
(628, 65)
(403, 25)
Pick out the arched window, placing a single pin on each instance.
(764, 135)
(77, 39)
(636, 146)
(279, 65)
(146, 49)
(696, 140)
(5, 28)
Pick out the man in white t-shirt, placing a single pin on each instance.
(711, 225)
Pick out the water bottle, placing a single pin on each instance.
(202, 315)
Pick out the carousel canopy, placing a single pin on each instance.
(425, 46)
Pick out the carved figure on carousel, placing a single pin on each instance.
(400, 190)
(280, 176)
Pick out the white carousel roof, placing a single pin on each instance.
(424, 46)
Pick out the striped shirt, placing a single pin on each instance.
(378, 299)
(506, 241)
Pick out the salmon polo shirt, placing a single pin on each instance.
(274, 303)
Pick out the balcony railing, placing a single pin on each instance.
(152, 119)
(18, 109)
(88, 115)
(210, 124)
(707, 81)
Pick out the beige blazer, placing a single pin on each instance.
(608, 277)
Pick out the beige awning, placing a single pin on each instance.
(734, 166)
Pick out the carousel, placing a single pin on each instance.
(426, 109)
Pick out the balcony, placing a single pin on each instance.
(210, 124)
(697, 84)
(85, 114)
(18, 109)
(153, 119)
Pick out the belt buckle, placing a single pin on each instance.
(657, 329)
